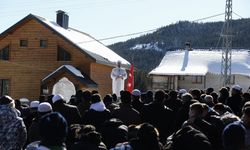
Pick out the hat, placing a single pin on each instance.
(234, 135)
(136, 92)
(182, 91)
(53, 128)
(236, 87)
(209, 90)
(208, 98)
(57, 98)
(6, 100)
(34, 104)
(95, 98)
(44, 107)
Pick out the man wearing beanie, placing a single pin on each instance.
(53, 130)
(13, 132)
(43, 109)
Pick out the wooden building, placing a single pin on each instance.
(36, 53)
(186, 69)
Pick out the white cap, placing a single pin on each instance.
(34, 104)
(236, 87)
(136, 92)
(182, 91)
(44, 107)
(57, 98)
(208, 98)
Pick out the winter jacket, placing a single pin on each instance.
(69, 112)
(13, 132)
(160, 117)
(127, 115)
(234, 102)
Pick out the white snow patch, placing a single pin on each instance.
(74, 70)
(153, 46)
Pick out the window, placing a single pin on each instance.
(4, 87)
(197, 79)
(181, 78)
(170, 82)
(43, 43)
(62, 54)
(23, 43)
(4, 53)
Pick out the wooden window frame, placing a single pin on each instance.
(62, 54)
(23, 42)
(43, 43)
(5, 53)
(4, 90)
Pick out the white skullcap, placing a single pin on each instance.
(34, 104)
(236, 87)
(44, 107)
(182, 91)
(57, 98)
(136, 92)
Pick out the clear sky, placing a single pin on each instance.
(109, 18)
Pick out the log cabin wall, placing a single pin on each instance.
(27, 66)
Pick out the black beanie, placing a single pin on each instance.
(4, 100)
(53, 129)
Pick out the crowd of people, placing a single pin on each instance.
(152, 120)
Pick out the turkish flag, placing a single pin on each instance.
(130, 83)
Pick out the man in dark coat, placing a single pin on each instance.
(182, 114)
(97, 113)
(43, 109)
(173, 102)
(157, 114)
(126, 113)
(136, 100)
(235, 100)
(196, 121)
(69, 112)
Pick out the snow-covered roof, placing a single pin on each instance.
(68, 67)
(88, 44)
(72, 70)
(200, 62)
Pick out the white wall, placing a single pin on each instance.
(210, 80)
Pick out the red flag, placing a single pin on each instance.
(130, 83)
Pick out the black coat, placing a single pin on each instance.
(69, 112)
(127, 115)
(160, 117)
(234, 102)
(96, 118)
